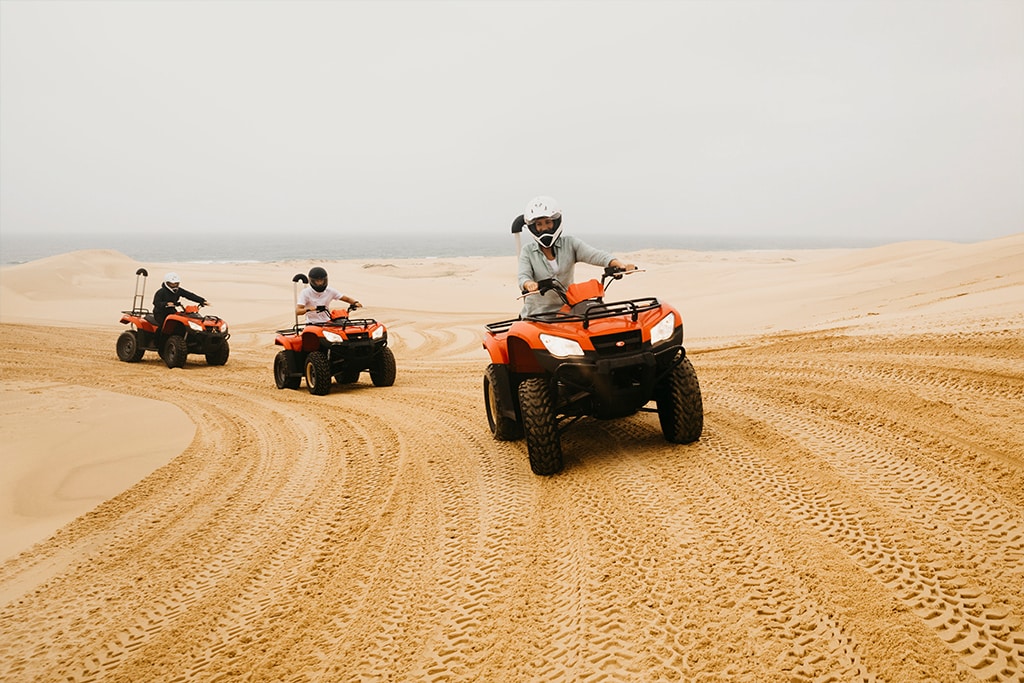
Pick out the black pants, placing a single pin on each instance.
(158, 338)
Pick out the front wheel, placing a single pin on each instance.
(503, 428)
(542, 441)
(318, 373)
(680, 407)
(348, 376)
(128, 348)
(282, 372)
(219, 356)
(175, 351)
(383, 374)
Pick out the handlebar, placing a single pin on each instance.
(610, 273)
(182, 307)
(543, 287)
(614, 273)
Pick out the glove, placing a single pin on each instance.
(321, 309)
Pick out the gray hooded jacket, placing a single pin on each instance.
(533, 265)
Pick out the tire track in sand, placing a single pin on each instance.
(839, 520)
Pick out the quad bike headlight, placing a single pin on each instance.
(378, 332)
(664, 329)
(333, 336)
(560, 346)
(223, 327)
(195, 326)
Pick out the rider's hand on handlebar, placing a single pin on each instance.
(617, 269)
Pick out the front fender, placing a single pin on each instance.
(522, 358)
(310, 342)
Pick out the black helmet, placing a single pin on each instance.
(318, 273)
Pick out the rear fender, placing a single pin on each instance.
(138, 322)
(291, 342)
(296, 362)
(507, 401)
(496, 348)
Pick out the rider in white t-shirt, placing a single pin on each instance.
(315, 300)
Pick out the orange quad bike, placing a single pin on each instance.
(185, 331)
(342, 348)
(590, 358)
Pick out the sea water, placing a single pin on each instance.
(263, 248)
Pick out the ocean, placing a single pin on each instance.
(263, 248)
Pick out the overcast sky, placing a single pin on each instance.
(887, 118)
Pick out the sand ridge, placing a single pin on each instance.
(853, 511)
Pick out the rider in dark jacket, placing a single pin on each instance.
(167, 296)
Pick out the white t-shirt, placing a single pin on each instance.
(312, 298)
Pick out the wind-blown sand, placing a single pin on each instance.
(853, 512)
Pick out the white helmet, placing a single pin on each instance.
(543, 207)
(172, 280)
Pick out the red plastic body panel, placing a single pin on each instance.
(514, 347)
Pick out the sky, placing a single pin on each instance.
(876, 118)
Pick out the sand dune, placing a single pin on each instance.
(853, 511)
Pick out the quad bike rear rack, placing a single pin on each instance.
(500, 326)
(139, 299)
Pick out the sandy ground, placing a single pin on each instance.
(854, 510)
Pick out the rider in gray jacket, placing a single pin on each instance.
(553, 255)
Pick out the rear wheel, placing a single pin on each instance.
(282, 372)
(503, 428)
(318, 373)
(542, 442)
(680, 407)
(219, 356)
(175, 351)
(383, 375)
(128, 348)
